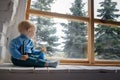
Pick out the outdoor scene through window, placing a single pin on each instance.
(107, 42)
(107, 38)
(107, 10)
(71, 7)
(69, 39)
(63, 39)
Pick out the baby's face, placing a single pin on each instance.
(32, 32)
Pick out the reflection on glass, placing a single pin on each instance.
(72, 7)
(107, 42)
(63, 39)
(107, 10)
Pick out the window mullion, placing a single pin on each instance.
(27, 10)
(91, 31)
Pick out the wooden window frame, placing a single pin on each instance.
(90, 20)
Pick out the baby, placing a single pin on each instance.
(22, 49)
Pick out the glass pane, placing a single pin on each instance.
(107, 42)
(107, 10)
(72, 7)
(63, 39)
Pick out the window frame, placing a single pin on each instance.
(91, 21)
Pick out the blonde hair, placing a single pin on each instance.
(25, 25)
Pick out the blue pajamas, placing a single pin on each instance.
(32, 61)
(22, 45)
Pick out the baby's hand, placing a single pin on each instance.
(44, 50)
(24, 57)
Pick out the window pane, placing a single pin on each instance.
(72, 7)
(107, 42)
(107, 9)
(63, 39)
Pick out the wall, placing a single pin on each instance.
(11, 13)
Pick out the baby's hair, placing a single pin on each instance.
(25, 25)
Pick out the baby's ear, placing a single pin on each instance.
(29, 30)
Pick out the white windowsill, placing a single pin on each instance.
(60, 68)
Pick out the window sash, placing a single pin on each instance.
(90, 20)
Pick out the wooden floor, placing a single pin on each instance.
(62, 72)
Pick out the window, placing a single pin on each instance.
(71, 33)
(109, 10)
(60, 6)
(59, 35)
(107, 42)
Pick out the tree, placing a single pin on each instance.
(107, 38)
(45, 30)
(75, 38)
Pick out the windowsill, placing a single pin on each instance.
(60, 68)
(62, 72)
